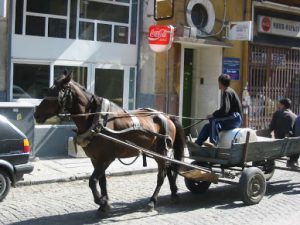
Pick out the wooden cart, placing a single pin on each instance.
(253, 163)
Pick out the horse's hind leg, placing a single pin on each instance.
(172, 176)
(160, 180)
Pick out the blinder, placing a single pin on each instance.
(65, 98)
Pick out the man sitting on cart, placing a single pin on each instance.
(227, 117)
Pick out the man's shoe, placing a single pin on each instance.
(292, 164)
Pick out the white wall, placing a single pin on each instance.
(51, 49)
(206, 96)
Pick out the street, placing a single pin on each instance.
(72, 203)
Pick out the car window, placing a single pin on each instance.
(7, 131)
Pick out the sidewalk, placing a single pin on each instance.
(69, 168)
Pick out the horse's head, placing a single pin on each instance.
(58, 99)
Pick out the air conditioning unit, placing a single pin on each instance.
(200, 15)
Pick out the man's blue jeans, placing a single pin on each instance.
(216, 125)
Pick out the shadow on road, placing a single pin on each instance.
(219, 197)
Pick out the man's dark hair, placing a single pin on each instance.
(286, 102)
(224, 79)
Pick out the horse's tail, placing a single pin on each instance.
(179, 142)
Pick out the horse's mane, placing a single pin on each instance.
(82, 88)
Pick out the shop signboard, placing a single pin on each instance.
(231, 66)
(240, 31)
(278, 26)
(160, 37)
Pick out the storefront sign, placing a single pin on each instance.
(241, 31)
(277, 26)
(160, 37)
(231, 66)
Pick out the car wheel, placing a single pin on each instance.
(4, 184)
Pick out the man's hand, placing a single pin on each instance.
(209, 116)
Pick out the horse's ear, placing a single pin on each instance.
(68, 78)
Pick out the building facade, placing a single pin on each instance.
(105, 44)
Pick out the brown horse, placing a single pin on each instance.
(147, 128)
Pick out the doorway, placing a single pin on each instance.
(187, 87)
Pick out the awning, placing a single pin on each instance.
(195, 42)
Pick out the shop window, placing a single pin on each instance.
(86, 31)
(35, 25)
(121, 34)
(79, 74)
(104, 32)
(57, 28)
(109, 84)
(30, 80)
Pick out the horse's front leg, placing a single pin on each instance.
(93, 181)
(160, 180)
(104, 200)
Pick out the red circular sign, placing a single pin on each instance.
(266, 24)
(160, 37)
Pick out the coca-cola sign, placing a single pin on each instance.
(160, 37)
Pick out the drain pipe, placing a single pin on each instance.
(139, 41)
(9, 43)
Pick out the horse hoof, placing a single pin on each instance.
(174, 198)
(105, 208)
(150, 206)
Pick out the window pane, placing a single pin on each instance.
(30, 81)
(121, 34)
(73, 19)
(133, 30)
(109, 84)
(125, 1)
(86, 31)
(57, 28)
(56, 7)
(79, 74)
(35, 25)
(104, 32)
(104, 11)
(19, 16)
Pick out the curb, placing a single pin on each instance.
(82, 177)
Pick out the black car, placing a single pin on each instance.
(14, 156)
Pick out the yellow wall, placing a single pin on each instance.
(235, 11)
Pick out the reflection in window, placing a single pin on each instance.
(57, 28)
(109, 84)
(121, 34)
(86, 31)
(30, 81)
(104, 11)
(79, 74)
(104, 32)
(35, 25)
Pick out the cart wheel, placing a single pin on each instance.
(252, 185)
(267, 166)
(194, 186)
(4, 184)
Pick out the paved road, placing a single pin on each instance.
(72, 203)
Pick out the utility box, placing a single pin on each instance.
(21, 115)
